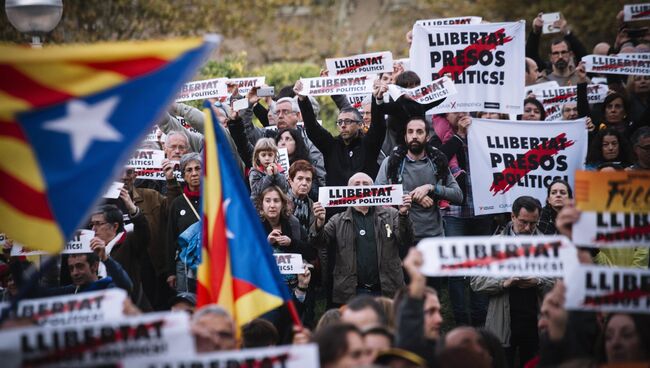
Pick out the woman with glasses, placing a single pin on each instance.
(183, 227)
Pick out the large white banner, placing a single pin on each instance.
(286, 356)
(509, 159)
(636, 12)
(607, 289)
(327, 86)
(607, 229)
(372, 63)
(616, 65)
(496, 256)
(485, 61)
(553, 98)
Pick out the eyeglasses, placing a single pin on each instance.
(560, 53)
(92, 224)
(645, 148)
(190, 169)
(283, 112)
(177, 147)
(342, 122)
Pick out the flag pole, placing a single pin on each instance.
(294, 314)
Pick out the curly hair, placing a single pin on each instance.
(286, 207)
(595, 152)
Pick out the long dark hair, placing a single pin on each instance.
(539, 105)
(611, 98)
(595, 153)
(301, 152)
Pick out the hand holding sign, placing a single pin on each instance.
(99, 247)
(128, 202)
(305, 277)
(581, 72)
(412, 264)
(464, 123)
(319, 212)
(538, 23)
(553, 314)
(379, 88)
(406, 204)
(168, 169)
(297, 89)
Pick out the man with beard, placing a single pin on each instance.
(563, 68)
(424, 173)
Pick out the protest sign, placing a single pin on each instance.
(244, 85)
(607, 289)
(285, 356)
(618, 191)
(424, 94)
(634, 56)
(283, 160)
(72, 309)
(484, 61)
(289, 263)
(510, 159)
(553, 98)
(356, 101)
(80, 243)
(160, 335)
(549, 19)
(152, 135)
(147, 164)
(373, 195)
(200, 90)
(449, 21)
(616, 65)
(596, 229)
(240, 104)
(371, 63)
(114, 190)
(327, 86)
(186, 125)
(636, 12)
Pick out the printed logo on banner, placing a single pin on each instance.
(328, 86)
(521, 256)
(636, 12)
(510, 159)
(374, 195)
(600, 229)
(616, 65)
(482, 60)
(608, 289)
(376, 62)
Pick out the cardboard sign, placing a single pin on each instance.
(147, 164)
(549, 19)
(154, 335)
(510, 159)
(80, 243)
(497, 256)
(289, 263)
(449, 21)
(619, 191)
(608, 289)
(356, 101)
(484, 61)
(283, 160)
(371, 63)
(286, 356)
(114, 190)
(616, 65)
(600, 229)
(373, 195)
(636, 12)
(74, 309)
(555, 97)
(424, 94)
(201, 90)
(244, 85)
(328, 86)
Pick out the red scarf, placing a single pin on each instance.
(262, 168)
(191, 195)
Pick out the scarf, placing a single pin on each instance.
(193, 196)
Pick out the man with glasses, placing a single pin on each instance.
(213, 329)
(514, 302)
(641, 141)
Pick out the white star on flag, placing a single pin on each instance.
(86, 123)
(226, 203)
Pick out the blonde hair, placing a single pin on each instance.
(264, 144)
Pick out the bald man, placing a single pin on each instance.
(367, 242)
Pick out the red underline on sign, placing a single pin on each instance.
(503, 186)
(66, 308)
(617, 296)
(642, 14)
(630, 231)
(501, 255)
(559, 98)
(478, 46)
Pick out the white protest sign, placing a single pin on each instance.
(497, 256)
(635, 56)
(147, 164)
(244, 85)
(373, 195)
(159, 335)
(485, 61)
(616, 65)
(449, 21)
(607, 229)
(549, 19)
(80, 243)
(328, 86)
(186, 125)
(356, 101)
(240, 104)
(114, 190)
(424, 94)
(555, 97)
(607, 289)
(74, 309)
(636, 12)
(510, 159)
(289, 263)
(283, 159)
(200, 90)
(152, 135)
(285, 356)
(362, 64)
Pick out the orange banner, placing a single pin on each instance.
(619, 191)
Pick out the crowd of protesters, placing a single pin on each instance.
(362, 297)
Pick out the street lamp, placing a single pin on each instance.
(34, 17)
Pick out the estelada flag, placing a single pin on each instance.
(69, 116)
(237, 269)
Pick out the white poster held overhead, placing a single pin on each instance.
(485, 61)
(371, 63)
(608, 229)
(607, 289)
(200, 90)
(549, 19)
(449, 21)
(147, 164)
(244, 85)
(636, 12)
(510, 159)
(80, 243)
(616, 65)
(553, 98)
(327, 86)
(374, 195)
(356, 101)
(494, 256)
(431, 92)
